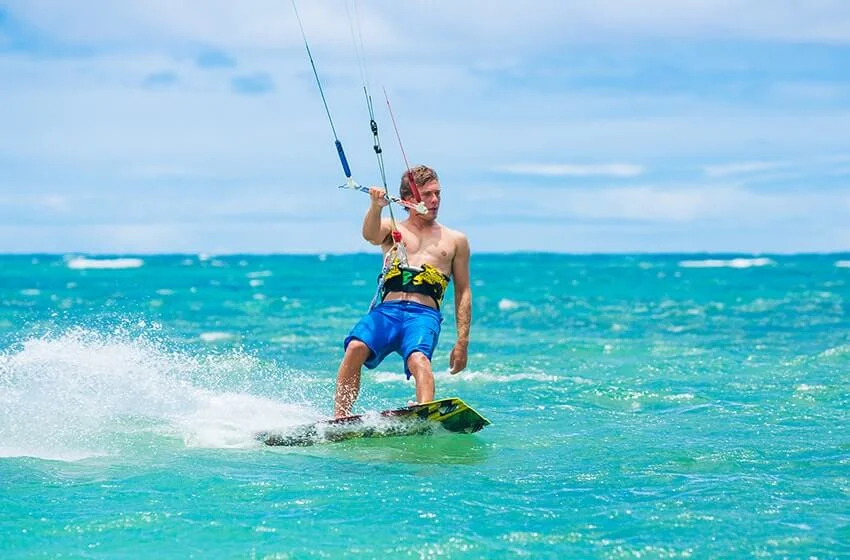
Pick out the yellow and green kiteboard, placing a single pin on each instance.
(450, 414)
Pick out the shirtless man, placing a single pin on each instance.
(408, 319)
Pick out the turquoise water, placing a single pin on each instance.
(642, 407)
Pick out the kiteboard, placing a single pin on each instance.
(451, 414)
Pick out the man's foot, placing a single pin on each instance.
(412, 403)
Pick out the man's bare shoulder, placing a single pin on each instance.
(458, 237)
(455, 234)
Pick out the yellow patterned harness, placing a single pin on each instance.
(426, 279)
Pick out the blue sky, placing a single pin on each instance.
(145, 126)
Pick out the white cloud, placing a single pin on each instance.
(806, 172)
(412, 26)
(573, 170)
(682, 205)
(218, 238)
(811, 91)
(251, 24)
(19, 205)
(724, 170)
(52, 202)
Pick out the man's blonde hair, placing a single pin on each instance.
(422, 175)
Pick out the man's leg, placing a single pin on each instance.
(348, 377)
(420, 369)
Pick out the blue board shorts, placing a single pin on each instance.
(398, 326)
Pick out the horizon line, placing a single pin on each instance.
(213, 254)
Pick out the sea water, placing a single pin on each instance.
(643, 406)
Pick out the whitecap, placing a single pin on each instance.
(83, 263)
(507, 304)
(215, 336)
(727, 263)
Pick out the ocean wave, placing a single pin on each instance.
(507, 304)
(727, 263)
(84, 263)
(215, 336)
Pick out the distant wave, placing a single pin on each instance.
(82, 263)
(726, 263)
(842, 264)
(507, 304)
(215, 336)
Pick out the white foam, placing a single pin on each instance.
(295, 339)
(62, 394)
(83, 394)
(83, 263)
(260, 274)
(215, 336)
(842, 264)
(30, 292)
(232, 419)
(728, 263)
(507, 304)
(805, 388)
(836, 351)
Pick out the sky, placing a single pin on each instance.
(573, 126)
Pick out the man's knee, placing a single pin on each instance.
(418, 362)
(357, 350)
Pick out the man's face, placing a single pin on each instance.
(430, 193)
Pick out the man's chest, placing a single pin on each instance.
(435, 249)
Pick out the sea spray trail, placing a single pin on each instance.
(84, 394)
